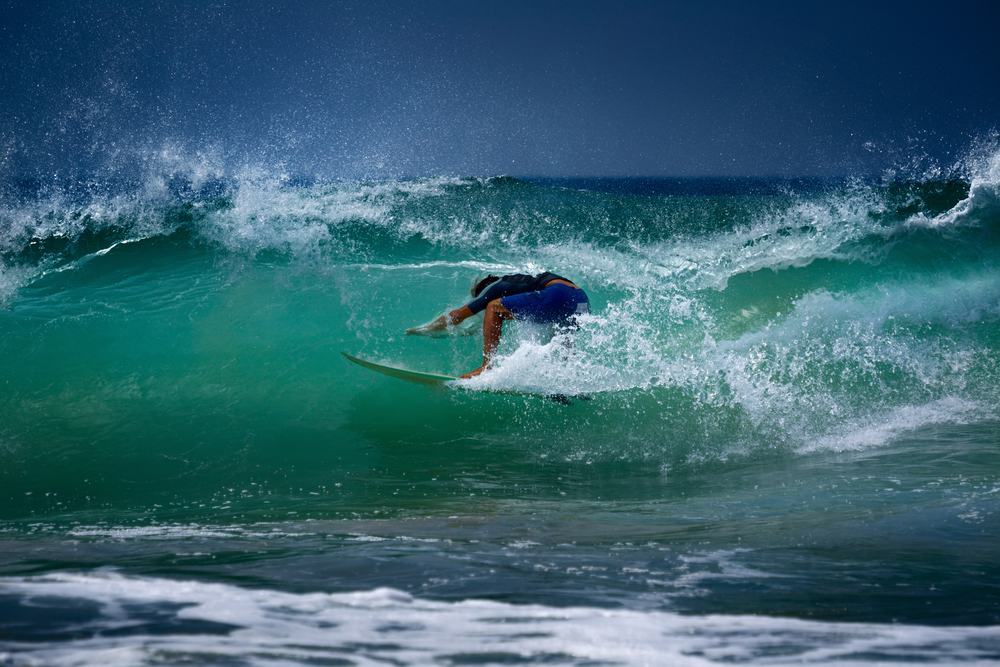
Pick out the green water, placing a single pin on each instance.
(787, 402)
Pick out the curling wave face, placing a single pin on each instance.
(791, 317)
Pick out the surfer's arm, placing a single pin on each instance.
(451, 319)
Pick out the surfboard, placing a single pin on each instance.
(402, 373)
(420, 377)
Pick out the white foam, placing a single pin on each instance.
(386, 625)
(878, 429)
(179, 532)
(13, 278)
(982, 167)
(535, 365)
(267, 215)
(777, 239)
(475, 266)
(802, 374)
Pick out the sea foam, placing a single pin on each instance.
(112, 619)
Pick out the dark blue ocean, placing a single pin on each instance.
(780, 444)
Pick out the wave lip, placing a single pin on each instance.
(107, 618)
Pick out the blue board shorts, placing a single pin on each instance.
(556, 304)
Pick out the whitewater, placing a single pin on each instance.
(780, 444)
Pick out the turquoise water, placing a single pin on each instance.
(781, 442)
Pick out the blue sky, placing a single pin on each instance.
(383, 89)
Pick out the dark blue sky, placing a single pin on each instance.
(383, 89)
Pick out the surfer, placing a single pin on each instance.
(545, 298)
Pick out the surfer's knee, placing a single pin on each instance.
(497, 309)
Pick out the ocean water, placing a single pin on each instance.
(781, 442)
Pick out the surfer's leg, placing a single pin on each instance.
(492, 328)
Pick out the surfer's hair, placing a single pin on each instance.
(480, 285)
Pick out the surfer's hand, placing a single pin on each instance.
(472, 374)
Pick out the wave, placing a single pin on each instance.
(115, 619)
(787, 317)
(620, 241)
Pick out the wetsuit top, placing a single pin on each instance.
(516, 283)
